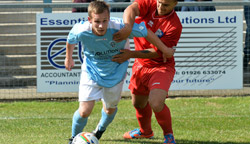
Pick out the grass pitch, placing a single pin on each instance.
(195, 121)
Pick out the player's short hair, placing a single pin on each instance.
(97, 7)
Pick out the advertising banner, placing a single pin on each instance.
(208, 55)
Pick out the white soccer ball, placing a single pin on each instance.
(85, 138)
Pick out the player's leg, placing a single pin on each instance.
(111, 98)
(160, 83)
(143, 115)
(162, 113)
(107, 117)
(80, 117)
(89, 92)
(139, 93)
(157, 102)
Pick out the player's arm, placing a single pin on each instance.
(148, 53)
(127, 54)
(140, 30)
(129, 19)
(69, 62)
(166, 52)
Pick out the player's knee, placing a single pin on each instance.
(139, 104)
(84, 114)
(136, 104)
(110, 111)
(156, 106)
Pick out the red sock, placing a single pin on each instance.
(144, 119)
(164, 119)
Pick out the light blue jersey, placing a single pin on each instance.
(99, 50)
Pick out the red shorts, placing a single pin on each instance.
(144, 79)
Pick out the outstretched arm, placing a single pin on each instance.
(147, 53)
(69, 62)
(127, 54)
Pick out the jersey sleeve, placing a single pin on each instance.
(72, 36)
(139, 30)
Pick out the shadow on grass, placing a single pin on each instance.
(177, 141)
(132, 141)
(206, 142)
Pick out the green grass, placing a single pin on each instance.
(195, 120)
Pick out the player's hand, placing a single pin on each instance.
(167, 53)
(122, 34)
(122, 57)
(69, 63)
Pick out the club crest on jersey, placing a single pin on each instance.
(112, 44)
(159, 33)
(141, 28)
(150, 23)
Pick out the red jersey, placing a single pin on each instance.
(168, 28)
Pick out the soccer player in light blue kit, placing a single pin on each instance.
(101, 78)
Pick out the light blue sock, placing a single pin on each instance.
(106, 120)
(78, 123)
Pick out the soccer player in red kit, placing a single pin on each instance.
(153, 69)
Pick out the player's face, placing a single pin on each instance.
(165, 7)
(99, 23)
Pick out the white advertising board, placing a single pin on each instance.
(208, 55)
